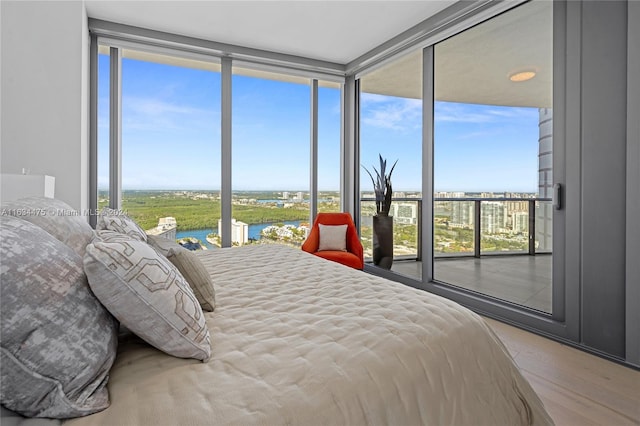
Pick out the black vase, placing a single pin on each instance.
(383, 241)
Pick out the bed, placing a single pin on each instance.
(296, 339)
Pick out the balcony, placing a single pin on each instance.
(500, 247)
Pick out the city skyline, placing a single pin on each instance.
(171, 136)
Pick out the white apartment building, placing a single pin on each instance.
(449, 195)
(166, 228)
(462, 214)
(493, 217)
(239, 231)
(404, 213)
(520, 222)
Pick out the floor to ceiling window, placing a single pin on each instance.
(493, 150)
(103, 103)
(270, 160)
(391, 130)
(159, 139)
(329, 110)
(170, 144)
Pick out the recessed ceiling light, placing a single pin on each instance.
(522, 76)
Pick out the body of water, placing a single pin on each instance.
(254, 231)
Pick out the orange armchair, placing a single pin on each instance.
(353, 257)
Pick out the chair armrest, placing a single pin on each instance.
(313, 241)
(354, 245)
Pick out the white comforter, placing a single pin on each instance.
(300, 340)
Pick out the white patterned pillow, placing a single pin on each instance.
(191, 269)
(109, 236)
(58, 341)
(149, 296)
(333, 237)
(54, 216)
(115, 220)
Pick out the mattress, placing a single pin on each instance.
(297, 339)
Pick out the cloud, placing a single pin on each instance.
(480, 114)
(146, 113)
(391, 113)
(372, 98)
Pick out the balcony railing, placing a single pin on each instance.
(467, 226)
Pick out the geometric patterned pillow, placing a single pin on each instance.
(58, 340)
(109, 236)
(149, 296)
(115, 220)
(191, 268)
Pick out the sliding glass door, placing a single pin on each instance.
(493, 152)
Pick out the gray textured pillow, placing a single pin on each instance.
(333, 237)
(58, 341)
(163, 245)
(191, 269)
(115, 220)
(54, 216)
(148, 295)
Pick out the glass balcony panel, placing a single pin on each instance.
(367, 211)
(406, 228)
(406, 231)
(454, 227)
(544, 227)
(504, 227)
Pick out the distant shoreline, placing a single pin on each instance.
(254, 231)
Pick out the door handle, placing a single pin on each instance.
(557, 196)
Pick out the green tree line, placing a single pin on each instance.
(199, 213)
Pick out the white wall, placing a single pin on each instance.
(44, 91)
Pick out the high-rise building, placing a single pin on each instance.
(544, 210)
(239, 231)
(449, 195)
(166, 228)
(520, 222)
(405, 213)
(493, 217)
(462, 214)
(517, 206)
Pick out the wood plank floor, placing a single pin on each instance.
(577, 388)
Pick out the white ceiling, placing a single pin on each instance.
(474, 66)
(471, 67)
(334, 31)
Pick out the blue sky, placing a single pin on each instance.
(171, 136)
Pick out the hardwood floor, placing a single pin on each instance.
(577, 388)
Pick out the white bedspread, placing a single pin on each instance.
(300, 340)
